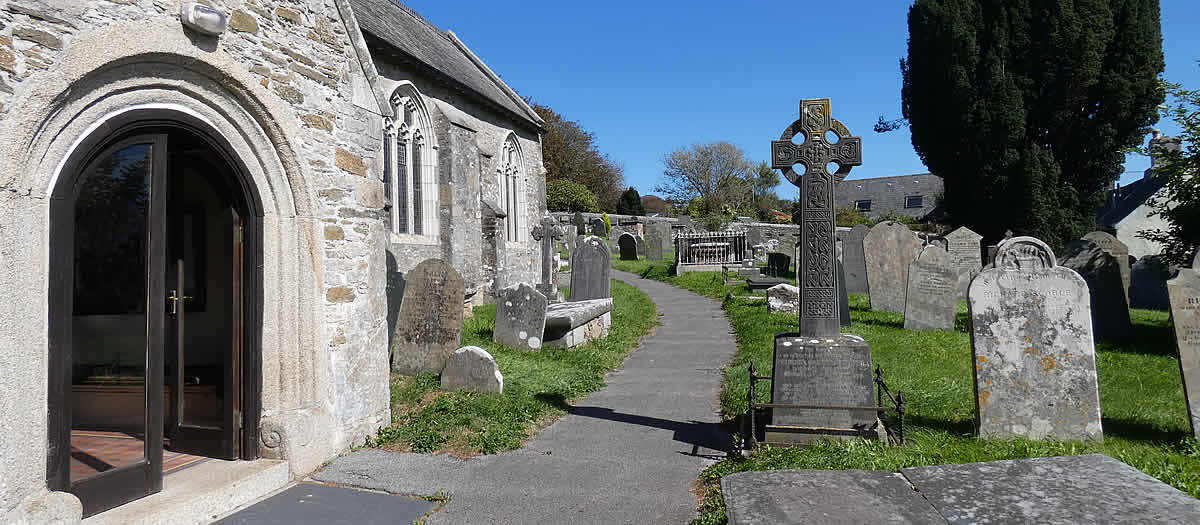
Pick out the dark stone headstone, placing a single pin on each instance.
(932, 298)
(430, 321)
(1118, 250)
(778, 263)
(1092, 488)
(580, 225)
(520, 317)
(1184, 292)
(590, 270)
(844, 306)
(1031, 337)
(854, 260)
(1102, 271)
(835, 497)
(829, 371)
(888, 249)
(598, 228)
(1148, 283)
(628, 246)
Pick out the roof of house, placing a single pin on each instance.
(1123, 201)
(417, 39)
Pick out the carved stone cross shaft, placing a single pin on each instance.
(547, 232)
(817, 268)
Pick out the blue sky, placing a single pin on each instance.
(649, 77)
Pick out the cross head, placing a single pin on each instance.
(547, 232)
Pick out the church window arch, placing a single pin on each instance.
(410, 167)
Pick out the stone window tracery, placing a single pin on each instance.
(510, 175)
(410, 171)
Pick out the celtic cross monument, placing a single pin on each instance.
(819, 366)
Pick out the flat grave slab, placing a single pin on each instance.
(762, 283)
(314, 503)
(1092, 488)
(824, 497)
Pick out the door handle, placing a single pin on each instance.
(175, 301)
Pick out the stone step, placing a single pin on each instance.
(202, 493)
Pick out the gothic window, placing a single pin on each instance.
(409, 169)
(510, 176)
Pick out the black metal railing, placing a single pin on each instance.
(693, 249)
(894, 429)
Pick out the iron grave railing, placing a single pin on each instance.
(709, 248)
(894, 426)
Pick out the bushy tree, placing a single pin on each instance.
(630, 203)
(850, 217)
(1179, 202)
(565, 195)
(716, 172)
(1025, 107)
(765, 201)
(655, 204)
(569, 153)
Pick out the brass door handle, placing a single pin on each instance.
(175, 301)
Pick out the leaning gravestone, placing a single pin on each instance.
(520, 317)
(818, 365)
(1148, 283)
(628, 247)
(1110, 312)
(1184, 290)
(590, 270)
(1118, 250)
(430, 320)
(888, 250)
(1031, 338)
(932, 298)
(963, 246)
(472, 368)
(854, 260)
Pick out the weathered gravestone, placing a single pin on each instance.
(1110, 312)
(472, 368)
(888, 250)
(1031, 337)
(430, 320)
(520, 316)
(1148, 283)
(854, 260)
(819, 366)
(548, 233)
(932, 298)
(628, 246)
(590, 270)
(659, 234)
(598, 228)
(1114, 247)
(963, 247)
(778, 263)
(579, 223)
(1184, 291)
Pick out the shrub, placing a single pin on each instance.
(565, 195)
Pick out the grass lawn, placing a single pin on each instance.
(536, 386)
(1141, 395)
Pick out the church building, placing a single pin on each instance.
(207, 209)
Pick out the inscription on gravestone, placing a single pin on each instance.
(932, 291)
(963, 246)
(430, 320)
(823, 374)
(1184, 292)
(1031, 338)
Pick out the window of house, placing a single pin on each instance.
(409, 165)
(863, 205)
(510, 175)
(913, 201)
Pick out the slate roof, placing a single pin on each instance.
(1123, 201)
(417, 39)
(888, 193)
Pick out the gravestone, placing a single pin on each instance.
(854, 260)
(578, 222)
(430, 320)
(659, 234)
(963, 246)
(821, 497)
(548, 233)
(1148, 283)
(888, 250)
(1031, 338)
(472, 368)
(598, 228)
(932, 297)
(784, 298)
(628, 246)
(590, 270)
(520, 316)
(844, 301)
(1114, 247)
(1110, 312)
(686, 223)
(778, 263)
(819, 365)
(1184, 291)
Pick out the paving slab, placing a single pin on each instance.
(834, 497)
(317, 504)
(628, 453)
(1092, 488)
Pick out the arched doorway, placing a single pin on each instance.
(153, 286)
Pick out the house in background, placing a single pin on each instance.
(1126, 213)
(912, 195)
